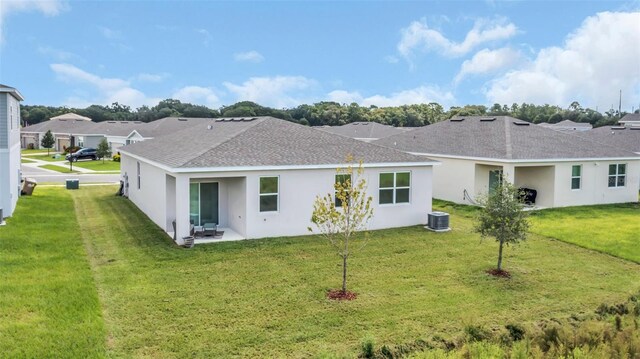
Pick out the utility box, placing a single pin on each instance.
(28, 187)
(73, 183)
(438, 221)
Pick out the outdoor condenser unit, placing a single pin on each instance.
(438, 221)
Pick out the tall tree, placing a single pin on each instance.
(48, 141)
(340, 215)
(103, 150)
(502, 217)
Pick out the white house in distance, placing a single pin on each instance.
(9, 149)
(258, 177)
(568, 125)
(365, 131)
(630, 120)
(564, 168)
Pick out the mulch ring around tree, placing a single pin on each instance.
(499, 273)
(338, 294)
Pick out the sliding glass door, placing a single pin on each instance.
(203, 203)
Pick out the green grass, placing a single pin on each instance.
(34, 151)
(48, 158)
(266, 298)
(613, 229)
(108, 165)
(25, 160)
(48, 300)
(58, 168)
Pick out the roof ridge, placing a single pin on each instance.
(225, 140)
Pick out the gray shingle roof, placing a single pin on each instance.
(168, 125)
(627, 138)
(631, 118)
(70, 116)
(63, 126)
(261, 141)
(500, 137)
(371, 130)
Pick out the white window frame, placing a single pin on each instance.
(617, 175)
(277, 194)
(138, 172)
(395, 188)
(579, 177)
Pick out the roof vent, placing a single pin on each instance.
(61, 119)
(209, 127)
(182, 119)
(111, 121)
(634, 128)
(137, 121)
(618, 127)
(521, 123)
(487, 119)
(458, 119)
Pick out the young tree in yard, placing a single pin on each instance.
(340, 215)
(503, 217)
(103, 150)
(47, 141)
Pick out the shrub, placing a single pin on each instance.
(368, 347)
(516, 331)
(116, 158)
(71, 149)
(30, 146)
(476, 333)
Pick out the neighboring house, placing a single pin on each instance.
(568, 125)
(564, 168)
(365, 131)
(9, 149)
(162, 127)
(259, 177)
(630, 120)
(68, 130)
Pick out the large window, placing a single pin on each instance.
(268, 194)
(394, 187)
(576, 177)
(203, 203)
(617, 175)
(341, 179)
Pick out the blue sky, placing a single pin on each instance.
(282, 54)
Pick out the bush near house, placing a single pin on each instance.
(116, 157)
(71, 149)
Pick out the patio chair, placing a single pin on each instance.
(210, 229)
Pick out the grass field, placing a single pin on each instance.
(613, 229)
(48, 300)
(45, 157)
(34, 151)
(58, 168)
(108, 165)
(266, 298)
(26, 160)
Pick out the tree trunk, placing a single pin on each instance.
(500, 256)
(344, 274)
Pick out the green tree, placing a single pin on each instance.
(48, 141)
(502, 217)
(340, 215)
(103, 150)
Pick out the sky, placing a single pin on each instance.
(283, 54)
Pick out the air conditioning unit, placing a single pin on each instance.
(438, 221)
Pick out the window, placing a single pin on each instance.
(342, 179)
(268, 194)
(617, 175)
(394, 187)
(576, 176)
(138, 172)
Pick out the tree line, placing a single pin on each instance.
(329, 113)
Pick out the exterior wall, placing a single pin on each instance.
(542, 179)
(452, 177)
(150, 198)
(482, 178)
(92, 141)
(9, 153)
(595, 189)
(237, 206)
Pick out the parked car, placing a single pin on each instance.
(81, 154)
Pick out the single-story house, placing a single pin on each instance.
(568, 125)
(630, 120)
(9, 149)
(258, 177)
(65, 129)
(563, 168)
(162, 127)
(365, 131)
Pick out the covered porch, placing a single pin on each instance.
(210, 209)
(537, 181)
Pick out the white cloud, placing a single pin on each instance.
(206, 36)
(46, 7)
(57, 54)
(145, 77)
(596, 61)
(488, 61)
(106, 90)
(419, 36)
(110, 34)
(198, 95)
(391, 59)
(418, 95)
(278, 91)
(249, 56)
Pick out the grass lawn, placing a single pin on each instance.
(108, 165)
(48, 158)
(25, 160)
(48, 300)
(58, 168)
(613, 229)
(34, 151)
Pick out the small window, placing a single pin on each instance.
(268, 194)
(344, 180)
(576, 176)
(617, 175)
(138, 172)
(394, 187)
